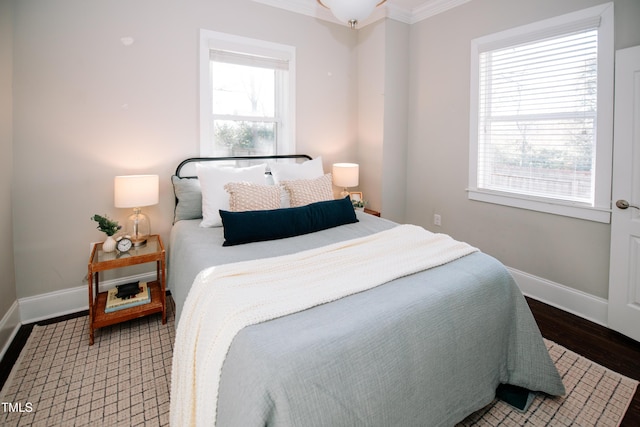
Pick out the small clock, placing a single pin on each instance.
(124, 244)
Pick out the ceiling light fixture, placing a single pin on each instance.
(351, 11)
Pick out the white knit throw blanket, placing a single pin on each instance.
(227, 298)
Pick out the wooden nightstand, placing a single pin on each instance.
(371, 212)
(152, 251)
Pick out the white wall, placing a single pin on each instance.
(396, 128)
(87, 108)
(571, 252)
(8, 319)
(383, 86)
(371, 54)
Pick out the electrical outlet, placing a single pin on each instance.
(437, 220)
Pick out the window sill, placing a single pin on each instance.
(542, 205)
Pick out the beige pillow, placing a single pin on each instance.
(246, 196)
(305, 191)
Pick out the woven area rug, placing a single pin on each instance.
(596, 396)
(124, 379)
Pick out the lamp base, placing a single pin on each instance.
(138, 228)
(141, 241)
(344, 194)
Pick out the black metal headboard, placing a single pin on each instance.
(236, 158)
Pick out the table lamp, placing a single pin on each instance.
(345, 175)
(136, 191)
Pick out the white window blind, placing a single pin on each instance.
(249, 60)
(536, 115)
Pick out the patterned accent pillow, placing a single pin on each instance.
(305, 191)
(245, 196)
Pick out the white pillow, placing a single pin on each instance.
(310, 169)
(212, 181)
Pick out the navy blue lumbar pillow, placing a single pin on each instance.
(258, 226)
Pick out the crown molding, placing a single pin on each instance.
(434, 7)
(312, 8)
(400, 14)
(304, 7)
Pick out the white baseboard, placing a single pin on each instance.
(9, 327)
(563, 297)
(67, 301)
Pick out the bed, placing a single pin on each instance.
(424, 349)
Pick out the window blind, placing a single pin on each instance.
(250, 60)
(537, 116)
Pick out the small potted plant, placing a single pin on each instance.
(109, 227)
(358, 204)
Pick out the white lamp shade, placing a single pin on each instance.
(345, 174)
(351, 10)
(134, 191)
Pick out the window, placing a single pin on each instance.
(541, 115)
(247, 96)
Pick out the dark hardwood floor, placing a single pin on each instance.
(602, 345)
(597, 343)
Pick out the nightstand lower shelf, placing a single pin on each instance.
(102, 319)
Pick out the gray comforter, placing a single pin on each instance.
(423, 350)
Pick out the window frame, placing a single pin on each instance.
(600, 211)
(285, 86)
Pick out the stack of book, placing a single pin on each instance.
(127, 296)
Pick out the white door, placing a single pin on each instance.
(624, 278)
